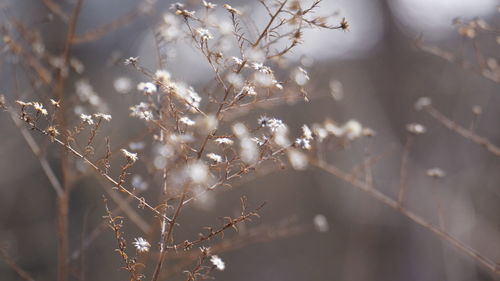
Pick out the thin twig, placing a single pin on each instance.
(468, 134)
(12, 264)
(404, 168)
(386, 200)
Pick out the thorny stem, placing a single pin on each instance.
(219, 110)
(102, 173)
(130, 264)
(232, 223)
(386, 200)
(167, 238)
(235, 175)
(228, 90)
(264, 32)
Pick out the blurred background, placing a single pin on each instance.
(374, 73)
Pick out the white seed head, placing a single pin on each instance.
(306, 132)
(208, 5)
(39, 108)
(232, 10)
(320, 223)
(162, 76)
(132, 157)
(333, 129)
(352, 129)
(436, 173)
(147, 87)
(224, 141)
(215, 157)
(141, 245)
(86, 119)
(106, 117)
(422, 103)
(218, 263)
(415, 128)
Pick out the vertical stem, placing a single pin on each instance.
(62, 240)
(62, 207)
(437, 201)
(367, 167)
(404, 171)
(171, 224)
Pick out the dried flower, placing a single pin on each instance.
(204, 33)
(55, 103)
(131, 157)
(208, 5)
(415, 128)
(39, 108)
(141, 245)
(147, 87)
(176, 6)
(238, 61)
(224, 141)
(217, 262)
(263, 121)
(272, 123)
(344, 25)
(436, 173)
(106, 117)
(131, 60)
(368, 132)
(214, 157)
(86, 119)
(303, 143)
(23, 104)
(162, 76)
(306, 132)
(320, 132)
(52, 131)
(333, 129)
(185, 13)
(261, 68)
(352, 129)
(232, 10)
(142, 111)
(422, 103)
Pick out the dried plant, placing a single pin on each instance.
(196, 134)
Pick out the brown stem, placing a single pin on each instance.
(448, 123)
(386, 200)
(167, 238)
(404, 170)
(264, 32)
